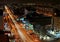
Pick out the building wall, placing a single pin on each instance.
(1, 19)
(57, 22)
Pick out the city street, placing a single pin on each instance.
(17, 29)
(29, 20)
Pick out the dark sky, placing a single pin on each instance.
(55, 3)
(29, 1)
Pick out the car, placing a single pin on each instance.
(53, 34)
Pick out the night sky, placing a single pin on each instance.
(31, 1)
(53, 3)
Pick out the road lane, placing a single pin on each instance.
(22, 34)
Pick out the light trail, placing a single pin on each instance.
(18, 27)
